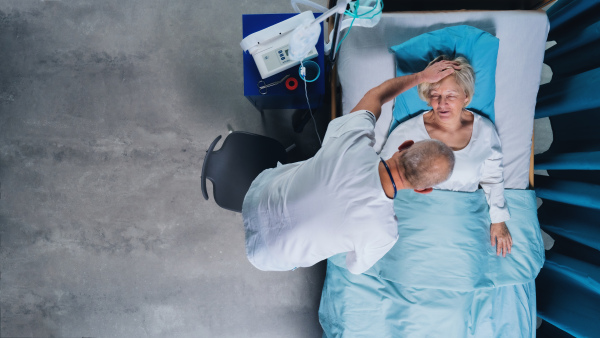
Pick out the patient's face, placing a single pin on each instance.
(448, 99)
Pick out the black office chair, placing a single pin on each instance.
(236, 164)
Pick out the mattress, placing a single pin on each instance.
(365, 62)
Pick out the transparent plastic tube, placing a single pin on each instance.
(318, 7)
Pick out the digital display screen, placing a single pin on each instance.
(286, 52)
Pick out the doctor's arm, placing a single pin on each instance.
(376, 97)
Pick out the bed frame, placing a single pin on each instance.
(429, 5)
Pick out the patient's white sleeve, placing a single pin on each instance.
(492, 181)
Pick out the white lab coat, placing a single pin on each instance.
(301, 213)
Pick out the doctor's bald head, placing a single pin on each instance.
(426, 163)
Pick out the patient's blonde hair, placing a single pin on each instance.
(465, 77)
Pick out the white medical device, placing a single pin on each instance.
(270, 46)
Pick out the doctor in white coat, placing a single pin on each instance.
(341, 200)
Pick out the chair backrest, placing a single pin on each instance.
(233, 167)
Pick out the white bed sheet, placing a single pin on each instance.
(365, 62)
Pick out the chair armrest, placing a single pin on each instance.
(206, 158)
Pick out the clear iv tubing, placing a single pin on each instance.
(307, 101)
(355, 16)
(307, 3)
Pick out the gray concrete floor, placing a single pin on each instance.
(106, 111)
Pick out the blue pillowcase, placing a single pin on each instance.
(478, 47)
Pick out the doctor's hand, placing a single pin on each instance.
(500, 235)
(437, 71)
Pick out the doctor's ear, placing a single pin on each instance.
(406, 145)
(424, 191)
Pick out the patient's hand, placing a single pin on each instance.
(499, 233)
(437, 71)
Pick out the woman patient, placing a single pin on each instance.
(473, 139)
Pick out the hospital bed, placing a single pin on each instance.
(396, 298)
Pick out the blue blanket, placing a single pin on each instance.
(366, 306)
(442, 278)
(445, 242)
